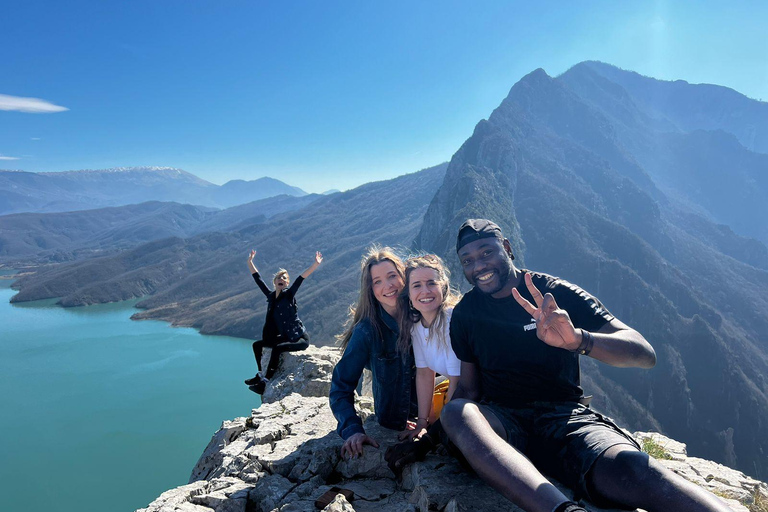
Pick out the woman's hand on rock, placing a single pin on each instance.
(353, 447)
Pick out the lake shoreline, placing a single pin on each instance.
(122, 393)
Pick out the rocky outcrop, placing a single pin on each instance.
(307, 373)
(285, 455)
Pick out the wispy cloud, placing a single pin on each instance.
(31, 105)
(8, 157)
(35, 138)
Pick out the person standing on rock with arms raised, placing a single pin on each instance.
(370, 341)
(283, 330)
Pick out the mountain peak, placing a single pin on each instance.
(241, 191)
(537, 73)
(535, 78)
(682, 105)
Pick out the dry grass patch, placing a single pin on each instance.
(759, 502)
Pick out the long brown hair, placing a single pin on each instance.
(408, 315)
(367, 307)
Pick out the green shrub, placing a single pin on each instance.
(655, 450)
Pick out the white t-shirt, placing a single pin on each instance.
(435, 355)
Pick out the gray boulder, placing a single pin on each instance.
(307, 373)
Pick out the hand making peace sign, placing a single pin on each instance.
(553, 325)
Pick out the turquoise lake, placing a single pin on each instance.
(102, 413)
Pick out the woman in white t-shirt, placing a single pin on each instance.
(426, 304)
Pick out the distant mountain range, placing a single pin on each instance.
(210, 269)
(69, 236)
(649, 194)
(80, 190)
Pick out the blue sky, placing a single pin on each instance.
(322, 94)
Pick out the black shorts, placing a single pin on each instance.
(562, 439)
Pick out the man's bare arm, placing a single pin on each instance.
(615, 343)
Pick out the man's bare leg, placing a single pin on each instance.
(632, 478)
(479, 438)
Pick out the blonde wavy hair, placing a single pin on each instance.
(408, 316)
(281, 272)
(367, 307)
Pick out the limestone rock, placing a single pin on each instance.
(339, 504)
(180, 496)
(268, 493)
(720, 480)
(420, 498)
(219, 495)
(286, 455)
(675, 449)
(215, 454)
(226, 495)
(307, 372)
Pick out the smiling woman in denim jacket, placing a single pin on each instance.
(370, 341)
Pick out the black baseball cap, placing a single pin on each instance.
(475, 229)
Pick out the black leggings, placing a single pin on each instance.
(278, 346)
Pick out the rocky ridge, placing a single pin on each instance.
(285, 455)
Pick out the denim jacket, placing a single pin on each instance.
(394, 378)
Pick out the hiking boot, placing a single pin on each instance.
(253, 381)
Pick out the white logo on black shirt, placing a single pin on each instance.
(530, 326)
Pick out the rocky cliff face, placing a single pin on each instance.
(285, 455)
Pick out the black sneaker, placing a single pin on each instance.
(258, 387)
(253, 381)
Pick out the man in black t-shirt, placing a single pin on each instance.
(499, 336)
(519, 409)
